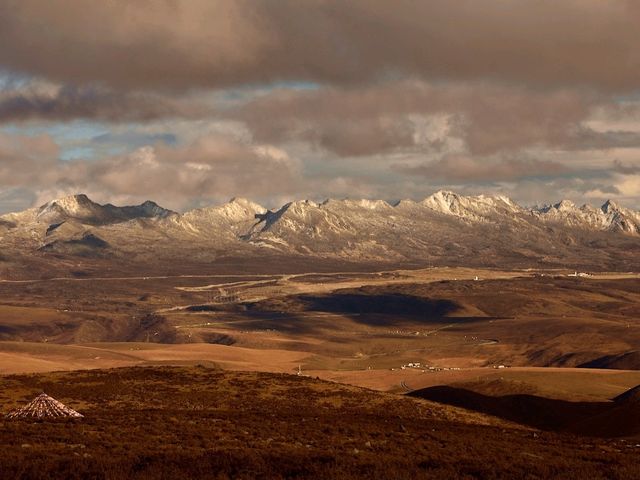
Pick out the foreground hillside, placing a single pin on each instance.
(203, 423)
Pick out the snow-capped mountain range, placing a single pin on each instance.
(445, 228)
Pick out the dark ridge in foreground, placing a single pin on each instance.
(618, 418)
(631, 395)
(197, 422)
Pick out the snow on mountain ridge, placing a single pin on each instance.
(609, 216)
(474, 209)
(358, 203)
(350, 218)
(236, 209)
(147, 209)
(229, 219)
(445, 227)
(81, 208)
(72, 206)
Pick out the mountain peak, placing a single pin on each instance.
(476, 209)
(72, 200)
(360, 203)
(147, 209)
(71, 205)
(565, 205)
(610, 206)
(301, 206)
(78, 197)
(237, 209)
(246, 203)
(445, 195)
(443, 201)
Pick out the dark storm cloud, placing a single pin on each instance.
(179, 44)
(70, 103)
(589, 139)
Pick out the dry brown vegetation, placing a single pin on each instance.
(190, 422)
(203, 423)
(539, 321)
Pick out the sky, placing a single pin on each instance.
(192, 102)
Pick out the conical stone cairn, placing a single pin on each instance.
(43, 406)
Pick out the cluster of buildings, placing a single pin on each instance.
(426, 368)
(579, 274)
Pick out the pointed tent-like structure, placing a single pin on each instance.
(44, 406)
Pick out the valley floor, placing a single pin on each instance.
(578, 384)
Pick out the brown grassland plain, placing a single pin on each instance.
(351, 327)
(346, 321)
(205, 387)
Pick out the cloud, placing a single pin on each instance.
(388, 117)
(588, 139)
(461, 168)
(193, 101)
(27, 160)
(623, 168)
(628, 186)
(133, 138)
(405, 115)
(211, 169)
(15, 199)
(182, 44)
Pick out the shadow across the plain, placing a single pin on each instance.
(297, 314)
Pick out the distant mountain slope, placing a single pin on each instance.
(445, 228)
(81, 208)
